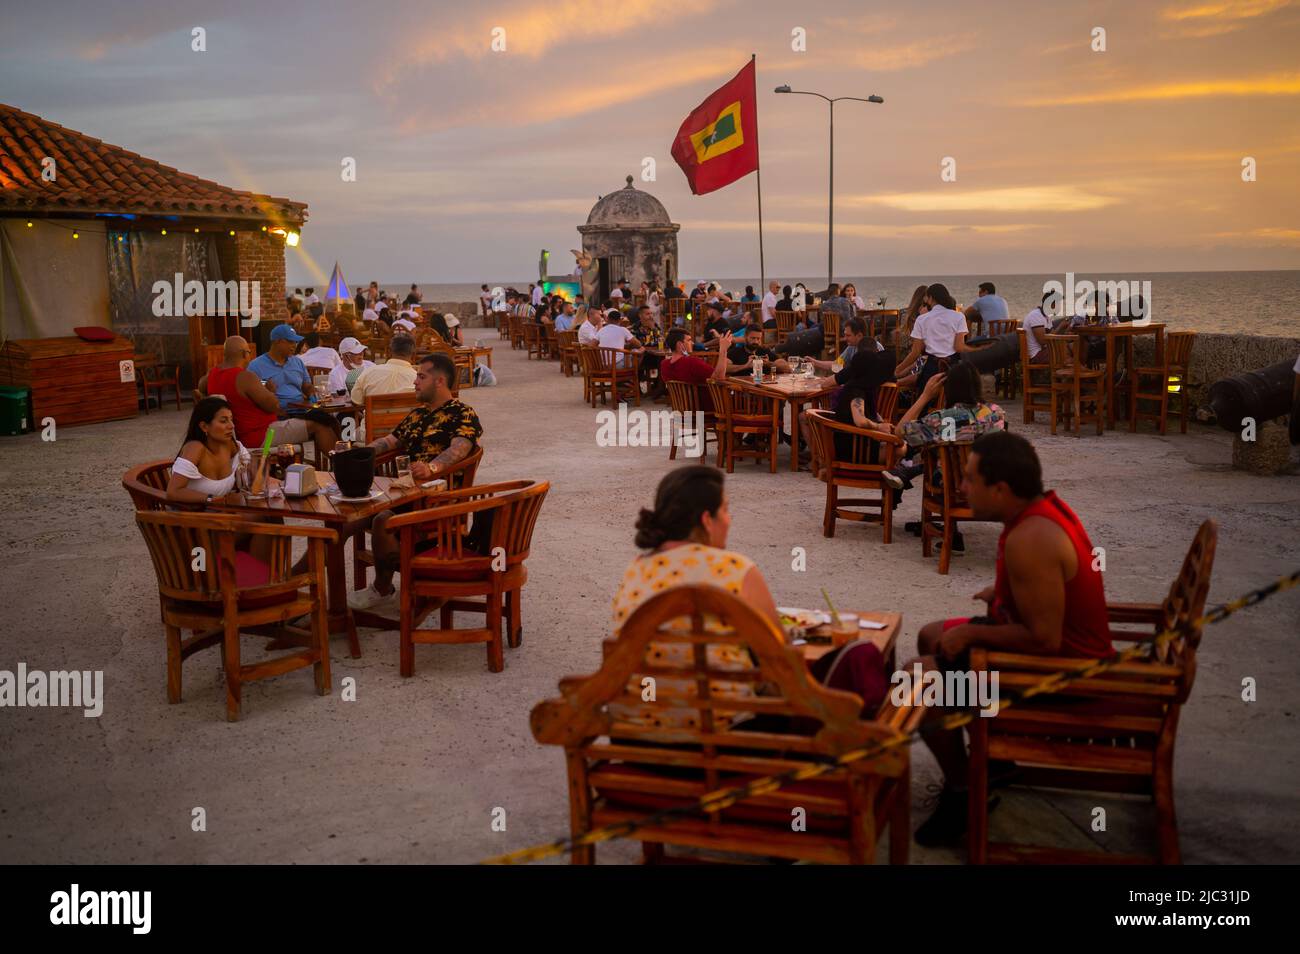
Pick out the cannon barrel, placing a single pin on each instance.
(1262, 394)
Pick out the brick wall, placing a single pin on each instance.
(259, 256)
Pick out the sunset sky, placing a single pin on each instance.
(469, 161)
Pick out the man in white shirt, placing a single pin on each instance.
(351, 358)
(588, 331)
(1038, 325)
(312, 298)
(614, 335)
(395, 375)
(536, 296)
(316, 355)
(769, 305)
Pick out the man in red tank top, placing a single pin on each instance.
(253, 404)
(1047, 597)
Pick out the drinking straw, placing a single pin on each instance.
(835, 617)
(261, 468)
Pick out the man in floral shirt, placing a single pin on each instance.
(439, 433)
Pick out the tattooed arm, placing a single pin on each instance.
(460, 449)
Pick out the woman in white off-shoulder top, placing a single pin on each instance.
(206, 465)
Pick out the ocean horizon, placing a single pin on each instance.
(1227, 302)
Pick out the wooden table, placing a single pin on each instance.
(797, 391)
(336, 516)
(882, 639)
(1126, 330)
(476, 353)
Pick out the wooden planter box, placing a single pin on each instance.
(73, 381)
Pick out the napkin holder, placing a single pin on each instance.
(299, 480)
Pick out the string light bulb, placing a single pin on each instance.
(76, 235)
(29, 224)
(232, 232)
(164, 231)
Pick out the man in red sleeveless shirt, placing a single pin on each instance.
(1047, 597)
(254, 405)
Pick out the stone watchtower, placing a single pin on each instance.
(629, 236)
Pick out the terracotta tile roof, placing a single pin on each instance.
(94, 176)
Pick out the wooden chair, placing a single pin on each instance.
(606, 377)
(785, 322)
(941, 496)
(233, 592)
(153, 375)
(1007, 378)
(567, 349)
(1170, 377)
(685, 401)
(502, 319)
(878, 321)
(830, 335)
(743, 410)
(1074, 385)
(870, 454)
(517, 325)
(147, 485)
(444, 570)
(385, 411)
(675, 308)
(1034, 387)
(549, 343)
(459, 475)
(1114, 732)
(313, 370)
(621, 767)
(532, 339)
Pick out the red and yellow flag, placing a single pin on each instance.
(718, 142)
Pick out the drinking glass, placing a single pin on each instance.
(403, 465)
(247, 474)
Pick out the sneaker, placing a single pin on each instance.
(894, 481)
(369, 598)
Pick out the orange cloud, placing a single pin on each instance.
(1013, 199)
(910, 55)
(1224, 11)
(1279, 84)
(531, 30)
(624, 83)
(850, 228)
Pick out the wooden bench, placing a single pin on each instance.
(1114, 732)
(622, 767)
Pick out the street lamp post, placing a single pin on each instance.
(830, 200)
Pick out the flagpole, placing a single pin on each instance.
(758, 179)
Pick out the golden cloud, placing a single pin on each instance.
(1012, 199)
(850, 228)
(531, 30)
(910, 55)
(1227, 10)
(1279, 84)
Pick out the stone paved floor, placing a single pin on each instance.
(411, 771)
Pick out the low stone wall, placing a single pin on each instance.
(1215, 356)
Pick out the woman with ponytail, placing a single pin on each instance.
(685, 538)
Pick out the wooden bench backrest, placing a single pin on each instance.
(686, 620)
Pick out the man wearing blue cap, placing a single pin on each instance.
(282, 370)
